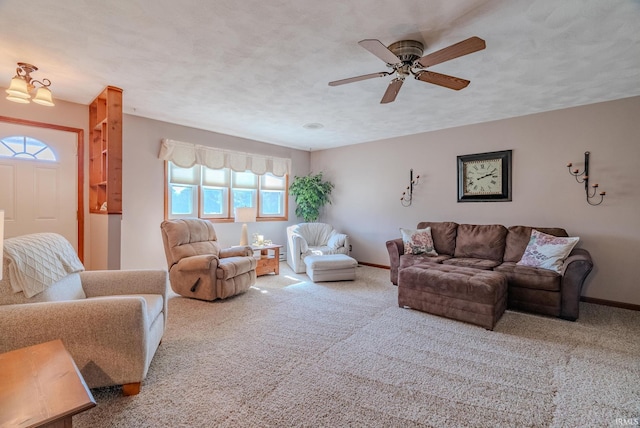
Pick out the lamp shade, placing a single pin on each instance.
(18, 88)
(245, 215)
(16, 99)
(1, 241)
(43, 97)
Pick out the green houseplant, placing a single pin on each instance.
(311, 193)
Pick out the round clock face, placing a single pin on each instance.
(483, 177)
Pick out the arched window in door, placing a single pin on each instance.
(20, 146)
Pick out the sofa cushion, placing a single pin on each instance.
(418, 241)
(547, 251)
(530, 277)
(407, 260)
(443, 234)
(483, 264)
(518, 238)
(480, 241)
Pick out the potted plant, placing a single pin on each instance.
(311, 193)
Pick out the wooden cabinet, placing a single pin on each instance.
(105, 152)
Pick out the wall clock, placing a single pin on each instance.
(485, 177)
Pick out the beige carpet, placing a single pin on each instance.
(292, 353)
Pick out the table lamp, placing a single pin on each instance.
(245, 215)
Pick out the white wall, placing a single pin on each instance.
(370, 178)
(143, 188)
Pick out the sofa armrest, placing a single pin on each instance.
(242, 251)
(395, 247)
(106, 336)
(576, 268)
(299, 244)
(118, 282)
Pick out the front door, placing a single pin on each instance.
(38, 176)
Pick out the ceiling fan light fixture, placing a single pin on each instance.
(405, 58)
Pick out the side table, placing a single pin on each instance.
(269, 261)
(41, 385)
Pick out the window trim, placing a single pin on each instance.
(230, 210)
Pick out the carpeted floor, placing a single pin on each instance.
(292, 353)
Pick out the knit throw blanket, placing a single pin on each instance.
(36, 261)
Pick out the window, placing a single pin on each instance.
(24, 147)
(209, 193)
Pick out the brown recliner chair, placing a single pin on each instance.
(198, 267)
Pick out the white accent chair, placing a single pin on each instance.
(111, 322)
(307, 239)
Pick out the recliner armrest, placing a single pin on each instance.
(242, 251)
(203, 262)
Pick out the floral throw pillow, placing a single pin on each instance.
(418, 241)
(547, 251)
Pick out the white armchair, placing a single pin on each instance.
(111, 322)
(306, 239)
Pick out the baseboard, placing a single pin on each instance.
(622, 305)
(374, 265)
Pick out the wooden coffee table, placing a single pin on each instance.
(269, 261)
(41, 386)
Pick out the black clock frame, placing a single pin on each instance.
(505, 194)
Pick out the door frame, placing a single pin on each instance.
(80, 137)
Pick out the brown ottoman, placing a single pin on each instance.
(464, 294)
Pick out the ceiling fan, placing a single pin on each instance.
(405, 58)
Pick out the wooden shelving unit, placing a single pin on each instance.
(105, 152)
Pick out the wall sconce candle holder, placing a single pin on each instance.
(583, 177)
(407, 195)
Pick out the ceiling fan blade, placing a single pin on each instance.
(442, 80)
(470, 45)
(378, 49)
(392, 91)
(358, 78)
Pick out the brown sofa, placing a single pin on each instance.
(495, 247)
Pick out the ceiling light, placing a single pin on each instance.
(22, 85)
(313, 126)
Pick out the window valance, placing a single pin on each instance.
(185, 155)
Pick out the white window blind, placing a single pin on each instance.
(186, 155)
(215, 177)
(184, 175)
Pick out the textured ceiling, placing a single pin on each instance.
(259, 69)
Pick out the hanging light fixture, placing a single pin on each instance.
(22, 85)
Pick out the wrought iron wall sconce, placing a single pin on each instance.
(407, 195)
(583, 177)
